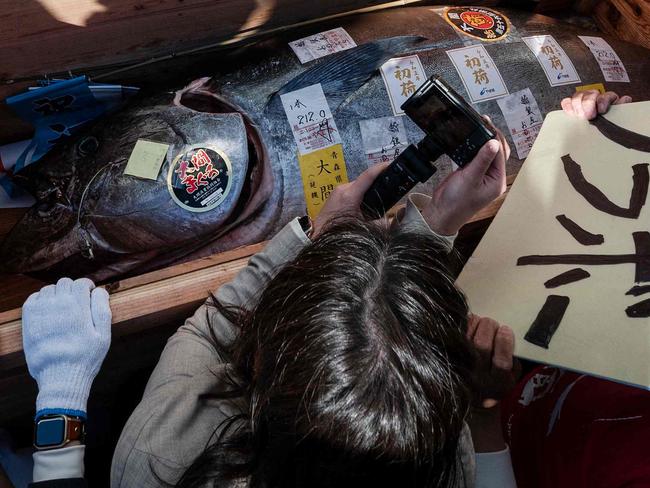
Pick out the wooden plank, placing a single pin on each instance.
(183, 268)
(58, 35)
(8, 218)
(626, 19)
(146, 300)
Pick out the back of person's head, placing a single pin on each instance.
(355, 366)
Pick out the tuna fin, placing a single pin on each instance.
(343, 73)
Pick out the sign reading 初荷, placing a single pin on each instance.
(402, 77)
(557, 65)
(480, 75)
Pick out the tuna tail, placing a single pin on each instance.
(342, 74)
(43, 237)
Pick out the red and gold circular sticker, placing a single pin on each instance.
(481, 23)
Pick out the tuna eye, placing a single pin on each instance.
(87, 146)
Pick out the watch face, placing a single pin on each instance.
(50, 432)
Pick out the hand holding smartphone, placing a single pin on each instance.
(451, 126)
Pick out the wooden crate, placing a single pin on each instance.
(626, 19)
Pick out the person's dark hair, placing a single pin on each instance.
(355, 368)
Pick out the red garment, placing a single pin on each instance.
(571, 430)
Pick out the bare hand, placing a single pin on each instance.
(346, 199)
(497, 371)
(466, 191)
(589, 103)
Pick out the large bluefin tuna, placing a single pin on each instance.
(92, 219)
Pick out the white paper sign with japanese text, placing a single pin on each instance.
(524, 119)
(556, 64)
(480, 75)
(322, 44)
(310, 118)
(383, 139)
(402, 77)
(609, 62)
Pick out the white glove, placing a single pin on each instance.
(66, 335)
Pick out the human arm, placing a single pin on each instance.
(496, 374)
(66, 335)
(590, 103)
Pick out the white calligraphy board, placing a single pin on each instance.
(595, 334)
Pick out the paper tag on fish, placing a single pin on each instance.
(310, 118)
(402, 77)
(322, 44)
(609, 62)
(595, 86)
(524, 119)
(383, 139)
(322, 171)
(480, 75)
(556, 64)
(146, 159)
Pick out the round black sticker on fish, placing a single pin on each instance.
(199, 179)
(481, 23)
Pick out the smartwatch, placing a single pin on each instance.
(54, 431)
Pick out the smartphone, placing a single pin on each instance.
(452, 127)
(448, 119)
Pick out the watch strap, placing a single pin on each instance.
(75, 429)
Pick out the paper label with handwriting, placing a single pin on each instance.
(524, 119)
(322, 44)
(480, 75)
(609, 62)
(557, 65)
(321, 171)
(146, 159)
(383, 139)
(310, 118)
(402, 77)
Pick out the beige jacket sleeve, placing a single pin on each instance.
(171, 426)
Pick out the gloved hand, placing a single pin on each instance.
(66, 335)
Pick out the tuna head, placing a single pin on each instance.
(93, 219)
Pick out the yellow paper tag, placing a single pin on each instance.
(146, 159)
(596, 86)
(322, 171)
